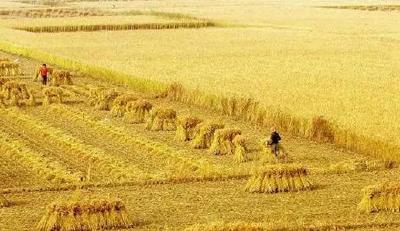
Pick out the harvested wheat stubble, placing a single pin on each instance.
(382, 197)
(52, 94)
(361, 165)
(240, 145)
(119, 104)
(48, 169)
(249, 226)
(137, 111)
(186, 128)
(105, 99)
(61, 77)
(162, 119)
(4, 202)
(205, 134)
(279, 178)
(222, 143)
(98, 214)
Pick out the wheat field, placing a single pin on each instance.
(165, 128)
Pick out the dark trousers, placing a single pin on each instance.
(44, 80)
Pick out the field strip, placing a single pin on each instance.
(117, 27)
(144, 183)
(48, 169)
(154, 164)
(80, 154)
(170, 155)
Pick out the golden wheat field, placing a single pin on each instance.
(156, 115)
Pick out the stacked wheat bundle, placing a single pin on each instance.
(105, 98)
(205, 134)
(52, 95)
(4, 202)
(240, 144)
(161, 119)
(61, 77)
(279, 178)
(186, 128)
(137, 111)
(119, 104)
(9, 68)
(99, 214)
(382, 197)
(222, 143)
(16, 93)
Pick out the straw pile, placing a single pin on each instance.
(205, 134)
(137, 111)
(3, 80)
(52, 94)
(4, 202)
(119, 105)
(222, 143)
(9, 68)
(2, 101)
(16, 94)
(85, 215)
(105, 99)
(382, 197)
(279, 178)
(162, 120)
(61, 77)
(95, 94)
(185, 130)
(240, 145)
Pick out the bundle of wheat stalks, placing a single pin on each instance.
(119, 104)
(15, 93)
(223, 141)
(161, 119)
(205, 134)
(61, 77)
(4, 202)
(382, 197)
(279, 178)
(240, 145)
(104, 98)
(137, 111)
(52, 94)
(186, 128)
(9, 68)
(99, 214)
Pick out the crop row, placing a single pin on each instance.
(132, 26)
(48, 169)
(81, 155)
(170, 155)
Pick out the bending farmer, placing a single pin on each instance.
(273, 142)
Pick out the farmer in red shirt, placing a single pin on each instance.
(43, 71)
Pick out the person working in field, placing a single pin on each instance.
(273, 142)
(43, 72)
